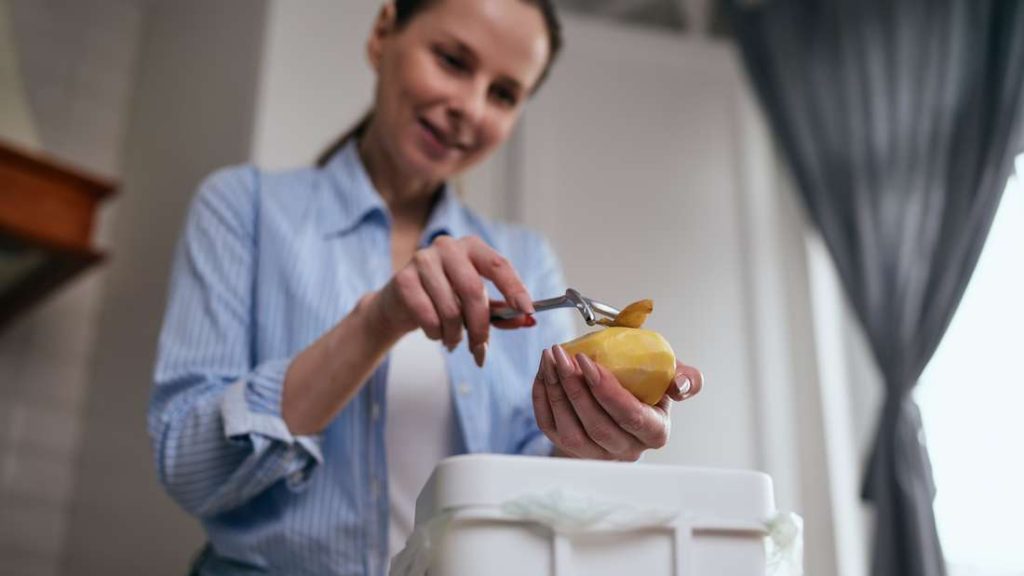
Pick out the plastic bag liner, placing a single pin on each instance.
(567, 513)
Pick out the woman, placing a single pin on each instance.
(301, 398)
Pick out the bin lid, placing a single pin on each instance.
(491, 480)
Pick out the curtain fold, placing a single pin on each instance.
(900, 120)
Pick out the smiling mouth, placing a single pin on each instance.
(442, 137)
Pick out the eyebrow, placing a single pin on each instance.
(467, 51)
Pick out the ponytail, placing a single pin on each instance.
(356, 131)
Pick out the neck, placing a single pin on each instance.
(408, 199)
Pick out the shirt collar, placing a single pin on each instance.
(447, 218)
(352, 198)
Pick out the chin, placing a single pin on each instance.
(422, 166)
(424, 169)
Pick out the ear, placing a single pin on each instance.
(383, 27)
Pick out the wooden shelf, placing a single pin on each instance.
(47, 215)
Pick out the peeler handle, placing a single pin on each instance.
(502, 311)
(571, 299)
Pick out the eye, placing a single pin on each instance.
(506, 96)
(451, 61)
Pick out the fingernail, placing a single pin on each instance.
(563, 363)
(479, 353)
(450, 347)
(684, 385)
(589, 370)
(530, 321)
(548, 364)
(523, 303)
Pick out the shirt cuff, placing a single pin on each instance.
(253, 406)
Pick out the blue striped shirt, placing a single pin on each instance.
(266, 264)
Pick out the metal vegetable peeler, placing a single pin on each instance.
(588, 308)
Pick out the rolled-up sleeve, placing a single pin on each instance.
(215, 415)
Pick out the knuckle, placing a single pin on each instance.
(472, 289)
(576, 394)
(499, 262)
(558, 401)
(634, 422)
(546, 427)
(602, 436)
(573, 442)
(632, 455)
(432, 329)
(402, 277)
(556, 396)
(659, 437)
(406, 280)
(422, 258)
(538, 393)
(449, 313)
(448, 247)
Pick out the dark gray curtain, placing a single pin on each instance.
(900, 120)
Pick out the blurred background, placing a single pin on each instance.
(647, 160)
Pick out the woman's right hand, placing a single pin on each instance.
(441, 290)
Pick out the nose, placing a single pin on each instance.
(469, 104)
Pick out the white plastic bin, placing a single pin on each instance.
(487, 515)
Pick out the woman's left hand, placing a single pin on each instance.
(587, 413)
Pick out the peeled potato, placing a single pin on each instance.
(642, 360)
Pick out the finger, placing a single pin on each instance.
(541, 407)
(688, 382)
(571, 433)
(435, 282)
(499, 270)
(680, 384)
(523, 321)
(597, 423)
(471, 292)
(417, 301)
(518, 321)
(646, 423)
(663, 406)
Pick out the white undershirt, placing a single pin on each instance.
(420, 428)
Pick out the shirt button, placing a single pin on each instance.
(375, 411)
(464, 389)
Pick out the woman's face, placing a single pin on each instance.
(452, 82)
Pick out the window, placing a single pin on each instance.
(972, 402)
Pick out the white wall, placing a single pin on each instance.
(315, 80)
(192, 113)
(77, 59)
(78, 63)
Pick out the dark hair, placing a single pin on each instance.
(405, 11)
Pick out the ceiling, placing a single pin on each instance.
(690, 16)
(666, 14)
